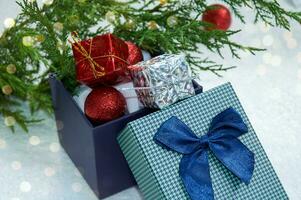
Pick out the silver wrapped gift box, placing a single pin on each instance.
(162, 80)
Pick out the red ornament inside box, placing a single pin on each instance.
(93, 147)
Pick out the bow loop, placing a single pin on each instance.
(222, 140)
(227, 123)
(176, 135)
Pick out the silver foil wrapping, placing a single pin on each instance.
(162, 80)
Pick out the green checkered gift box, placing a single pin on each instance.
(156, 169)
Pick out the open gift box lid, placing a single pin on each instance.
(156, 169)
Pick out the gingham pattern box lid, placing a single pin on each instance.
(156, 169)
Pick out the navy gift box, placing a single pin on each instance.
(94, 149)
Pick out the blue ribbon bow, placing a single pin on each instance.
(222, 140)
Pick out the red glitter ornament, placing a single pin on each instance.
(104, 104)
(135, 53)
(219, 16)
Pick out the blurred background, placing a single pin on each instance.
(34, 166)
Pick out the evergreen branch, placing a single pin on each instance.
(53, 55)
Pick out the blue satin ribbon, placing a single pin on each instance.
(221, 139)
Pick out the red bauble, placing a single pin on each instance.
(135, 53)
(219, 16)
(104, 104)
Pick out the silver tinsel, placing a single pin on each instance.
(163, 80)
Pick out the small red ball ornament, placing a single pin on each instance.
(135, 53)
(104, 104)
(219, 16)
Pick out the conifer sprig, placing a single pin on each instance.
(37, 45)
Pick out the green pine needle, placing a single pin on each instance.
(51, 53)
